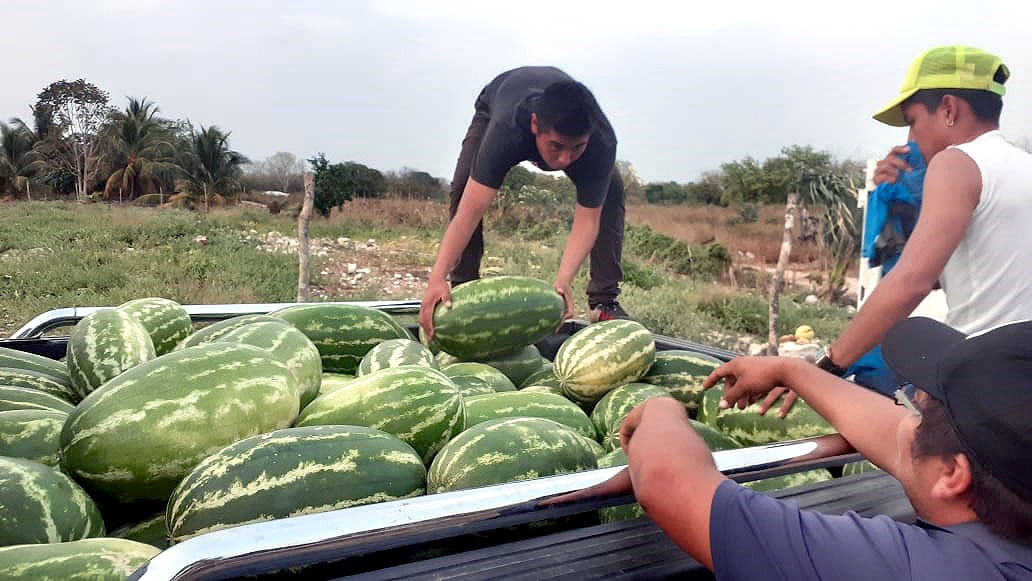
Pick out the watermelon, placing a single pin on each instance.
(682, 374)
(619, 512)
(545, 375)
(151, 531)
(544, 388)
(751, 429)
(489, 317)
(508, 450)
(789, 480)
(600, 357)
(343, 333)
(166, 321)
(102, 345)
(292, 472)
(103, 559)
(614, 406)
(334, 381)
(284, 342)
(39, 381)
(215, 330)
(481, 408)
(445, 359)
(26, 398)
(31, 434)
(393, 353)
(859, 468)
(493, 377)
(39, 504)
(519, 364)
(417, 404)
(470, 385)
(14, 359)
(140, 433)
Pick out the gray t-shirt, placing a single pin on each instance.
(754, 536)
(508, 101)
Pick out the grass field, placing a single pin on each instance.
(63, 254)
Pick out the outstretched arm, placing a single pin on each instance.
(578, 246)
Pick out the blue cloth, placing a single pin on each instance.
(892, 212)
(754, 536)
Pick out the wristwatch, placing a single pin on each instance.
(824, 362)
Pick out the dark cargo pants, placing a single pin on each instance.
(606, 272)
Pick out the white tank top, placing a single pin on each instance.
(988, 279)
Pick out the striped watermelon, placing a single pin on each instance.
(334, 381)
(284, 342)
(417, 404)
(603, 356)
(445, 359)
(14, 359)
(614, 406)
(39, 504)
(470, 385)
(151, 531)
(394, 353)
(494, 316)
(508, 450)
(789, 480)
(545, 375)
(32, 435)
(166, 321)
(859, 468)
(26, 398)
(750, 428)
(514, 404)
(39, 381)
(215, 330)
(519, 364)
(102, 559)
(293, 472)
(682, 374)
(343, 333)
(493, 377)
(544, 388)
(140, 433)
(104, 344)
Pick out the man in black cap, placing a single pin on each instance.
(958, 438)
(541, 115)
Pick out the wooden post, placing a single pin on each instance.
(778, 281)
(303, 219)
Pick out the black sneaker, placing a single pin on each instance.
(607, 312)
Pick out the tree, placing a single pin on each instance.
(19, 162)
(631, 182)
(78, 111)
(283, 167)
(140, 150)
(669, 193)
(517, 177)
(337, 183)
(210, 165)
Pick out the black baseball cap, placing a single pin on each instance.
(985, 382)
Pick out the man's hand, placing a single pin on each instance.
(889, 168)
(746, 379)
(437, 291)
(772, 398)
(564, 291)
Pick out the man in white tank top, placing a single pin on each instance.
(974, 231)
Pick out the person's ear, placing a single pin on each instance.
(950, 106)
(534, 123)
(954, 479)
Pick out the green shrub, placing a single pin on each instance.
(640, 276)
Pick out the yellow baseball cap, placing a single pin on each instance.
(947, 67)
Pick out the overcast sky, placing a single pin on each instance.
(391, 83)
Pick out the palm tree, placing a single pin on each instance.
(140, 149)
(19, 162)
(210, 165)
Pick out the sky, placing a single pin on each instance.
(391, 83)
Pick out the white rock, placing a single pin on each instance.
(352, 267)
(811, 300)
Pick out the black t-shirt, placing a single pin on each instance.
(508, 101)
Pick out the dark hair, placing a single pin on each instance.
(985, 105)
(997, 507)
(567, 107)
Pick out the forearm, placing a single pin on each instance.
(866, 419)
(579, 243)
(892, 301)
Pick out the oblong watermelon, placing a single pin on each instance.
(151, 531)
(493, 316)
(103, 559)
(394, 353)
(492, 376)
(508, 450)
(603, 356)
(515, 404)
(614, 406)
(286, 343)
(342, 333)
(519, 364)
(682, 374)
(751, 429)
(140, 433)
(417, 404)
(32, 435)
(39, 381)
(215, 330)
(39, 504)
(102, 345)
(165, 320)
(14, 359)
(292, 472)
(13, 397)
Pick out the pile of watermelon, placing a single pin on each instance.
(150, 432)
